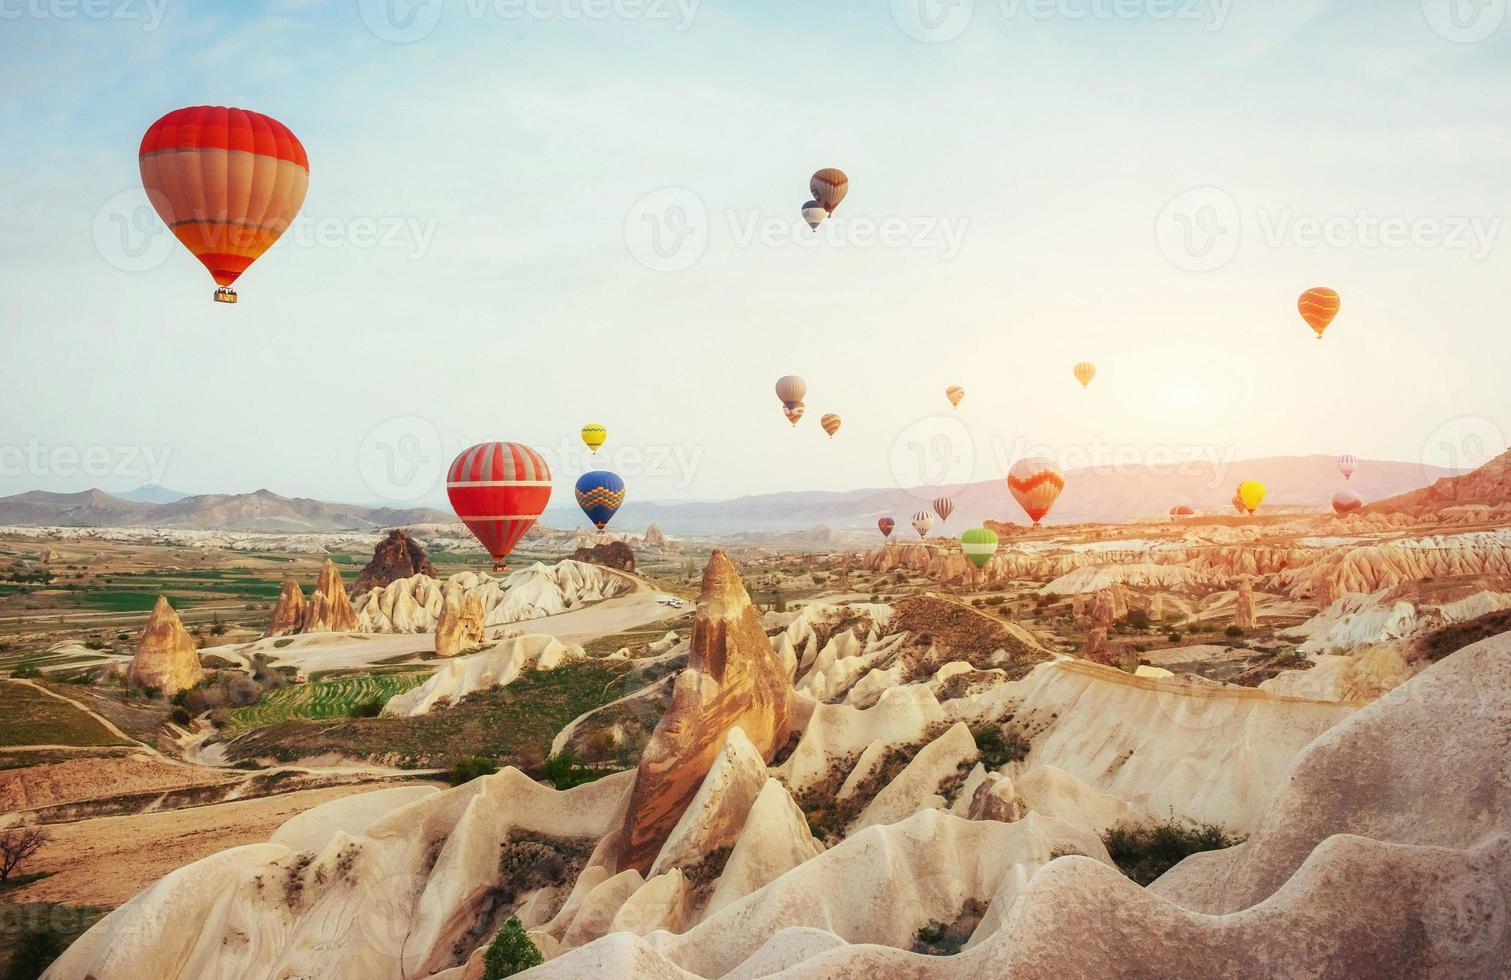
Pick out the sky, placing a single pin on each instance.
(527, 215)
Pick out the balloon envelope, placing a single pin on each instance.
(1084, 372)
(1251, 493)
(814, 214)
(227, 182)
(498, 489)
(599, 494)
(829, 187)
(1347, 463)
(886, 524)
(830, 424)
(944, 507)
(791, 388)
(1182, 510)
(1346, 502)
(1318, 306)
(1238, 503)
(954, 393)
(922, 521)
(979, 545)
(593, 436)
(793, 411)
(1035, 483)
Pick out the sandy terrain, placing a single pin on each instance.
(105, 861)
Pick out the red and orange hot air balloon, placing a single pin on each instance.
(499, 489)
(227, 182)
(1318, 306)
(885, 525)
(829, 187)
(1035, 484)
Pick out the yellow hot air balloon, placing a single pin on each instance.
(1251, 494)
(830, 424)
(955, 394)
(593, 436)
(1084, 372)
(1318, 306)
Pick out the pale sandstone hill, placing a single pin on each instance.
(1489, 485)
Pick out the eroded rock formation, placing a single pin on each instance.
(329, 610)
(610, 554)
(396, 557)
(288, 614)
(460, 624)
(166, 655)
(733, 678)
(1245, 615)
(654, 538)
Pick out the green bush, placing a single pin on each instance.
(1233, 632)
(1145, 853)
(34, 953)
(369, 709)
(1000, 745)
(466, 770)
(26, 670)
(180, 715)
(510, 952)
(564, 770)
(1173, 636)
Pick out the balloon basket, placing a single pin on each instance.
(225, 294)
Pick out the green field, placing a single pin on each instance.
(29, 717)
(322, 699)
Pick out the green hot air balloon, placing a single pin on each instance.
(979, 545)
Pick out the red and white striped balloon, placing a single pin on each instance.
(944, 507)
(499, 489)
(1347, 463)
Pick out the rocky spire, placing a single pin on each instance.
(329, 610)
(288, 614)
(166, 656)
(733, 678)
(396, 556)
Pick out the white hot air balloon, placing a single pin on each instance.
(1347, 463)
(922, 522)
(814, 214)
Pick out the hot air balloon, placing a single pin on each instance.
(1035, 482)
(791, 389)
(922, 521)
(944, 507)
(829, 187)
(830, 424)
(1182, 510)
(1346, 502)
(1251, 493)
(599, 494)
(955, 394)
(814, 214)
(1347, 463)
(1238, 503)
(498, 489)
(886, 524)
(979, 545)
(1084, 372)
(593, 436)
(1318, 306)
(226, 182)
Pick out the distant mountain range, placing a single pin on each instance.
(259, 511)
(151, 493)
(1092, 494)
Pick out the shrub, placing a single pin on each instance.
(180, 715)
(948, 938)
(510, 952)
(466, 770)
(1233, 632)
(371, 708)
(1000, 745)
(1173, 636)
(564, 770)
(26, 670)
(1137, 619)
(1145, 853)
(34, 952)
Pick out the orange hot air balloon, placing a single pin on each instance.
(1238, 503)
(1035, 483)
(1346, 502)
(955, 394)
(499, 489)
(794, 411)
(227, 182)
(1084, 372)
(1318, 306)
(830, 424)
(829, 187)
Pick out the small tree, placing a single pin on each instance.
(16, 845)
(510, 952)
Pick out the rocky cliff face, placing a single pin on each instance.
(329, 610)
(397, 556)
(460, 625)
(733, 678)
(611, 554)
(288, 614)
(654, 538)
(166, 656)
